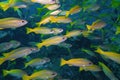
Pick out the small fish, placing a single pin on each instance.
(64, 45)
(98, 24)
(17, 53)
(111, 55)
(86, 33)
(40, 30)
(12, 22)
(57, 30)
(5, 46)
(3, 34)
(44, 1)
(5, 5)
(73, 33)
(73, 10)
(44, 21)
(93, 7)
(89, 52)
(56, 12)
(117, 30)
(14, 72)
(52, 41)
(37, 62)
(107, 71)
(60, 19)
(42, 74)
(15, 43)
(52, 6)
(92, 68)
(76, 62)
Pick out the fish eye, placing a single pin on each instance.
(23, 21)
(90, 63)
(61, 29)
(53, 73)
(64, 38)
(51, 31)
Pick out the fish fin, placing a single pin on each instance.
(117, 31)
(39, 45)
(26, 65)
(67, 13)
(6, 54)
(38, 24)
(81, 69)
(52, 19)
(5, 72)
(99, 50)
(63, 62)
(29, 30)
(2, 60)
(5, 7)
(26, 77)
(88, 27)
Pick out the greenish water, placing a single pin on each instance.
(106, 38)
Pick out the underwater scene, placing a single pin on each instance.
(59, 39)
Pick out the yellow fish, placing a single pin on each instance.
(40, 30)
(43, 74)
(12, 22)
(44, 1)
(17, 53)
(73, 33)
(52, 6)
(98, 24)
(14, 72)
(107, 71)
(73, 10)
(76, 62)
(44, 21)
(5, 5)
(37, 62)
(51, 41)
(111, 55)
(93, 68)
(60, 19)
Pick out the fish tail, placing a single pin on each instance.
(29, 30)
(26, 77)
(89, 27)
(26, 65)
(2, 60)
(38, 24)
(67, 13)
(117, 31)
(39, 45)
(63, 62)
(5, 72)
(81, 69)
(99, 50)
(4, 6)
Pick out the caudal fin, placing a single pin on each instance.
(29, 30)
(2, 60)
(39, 45)
(26, 77)
(99, 50)
(5, 72)
(63, 62)
(67, 13)
(88, 27)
